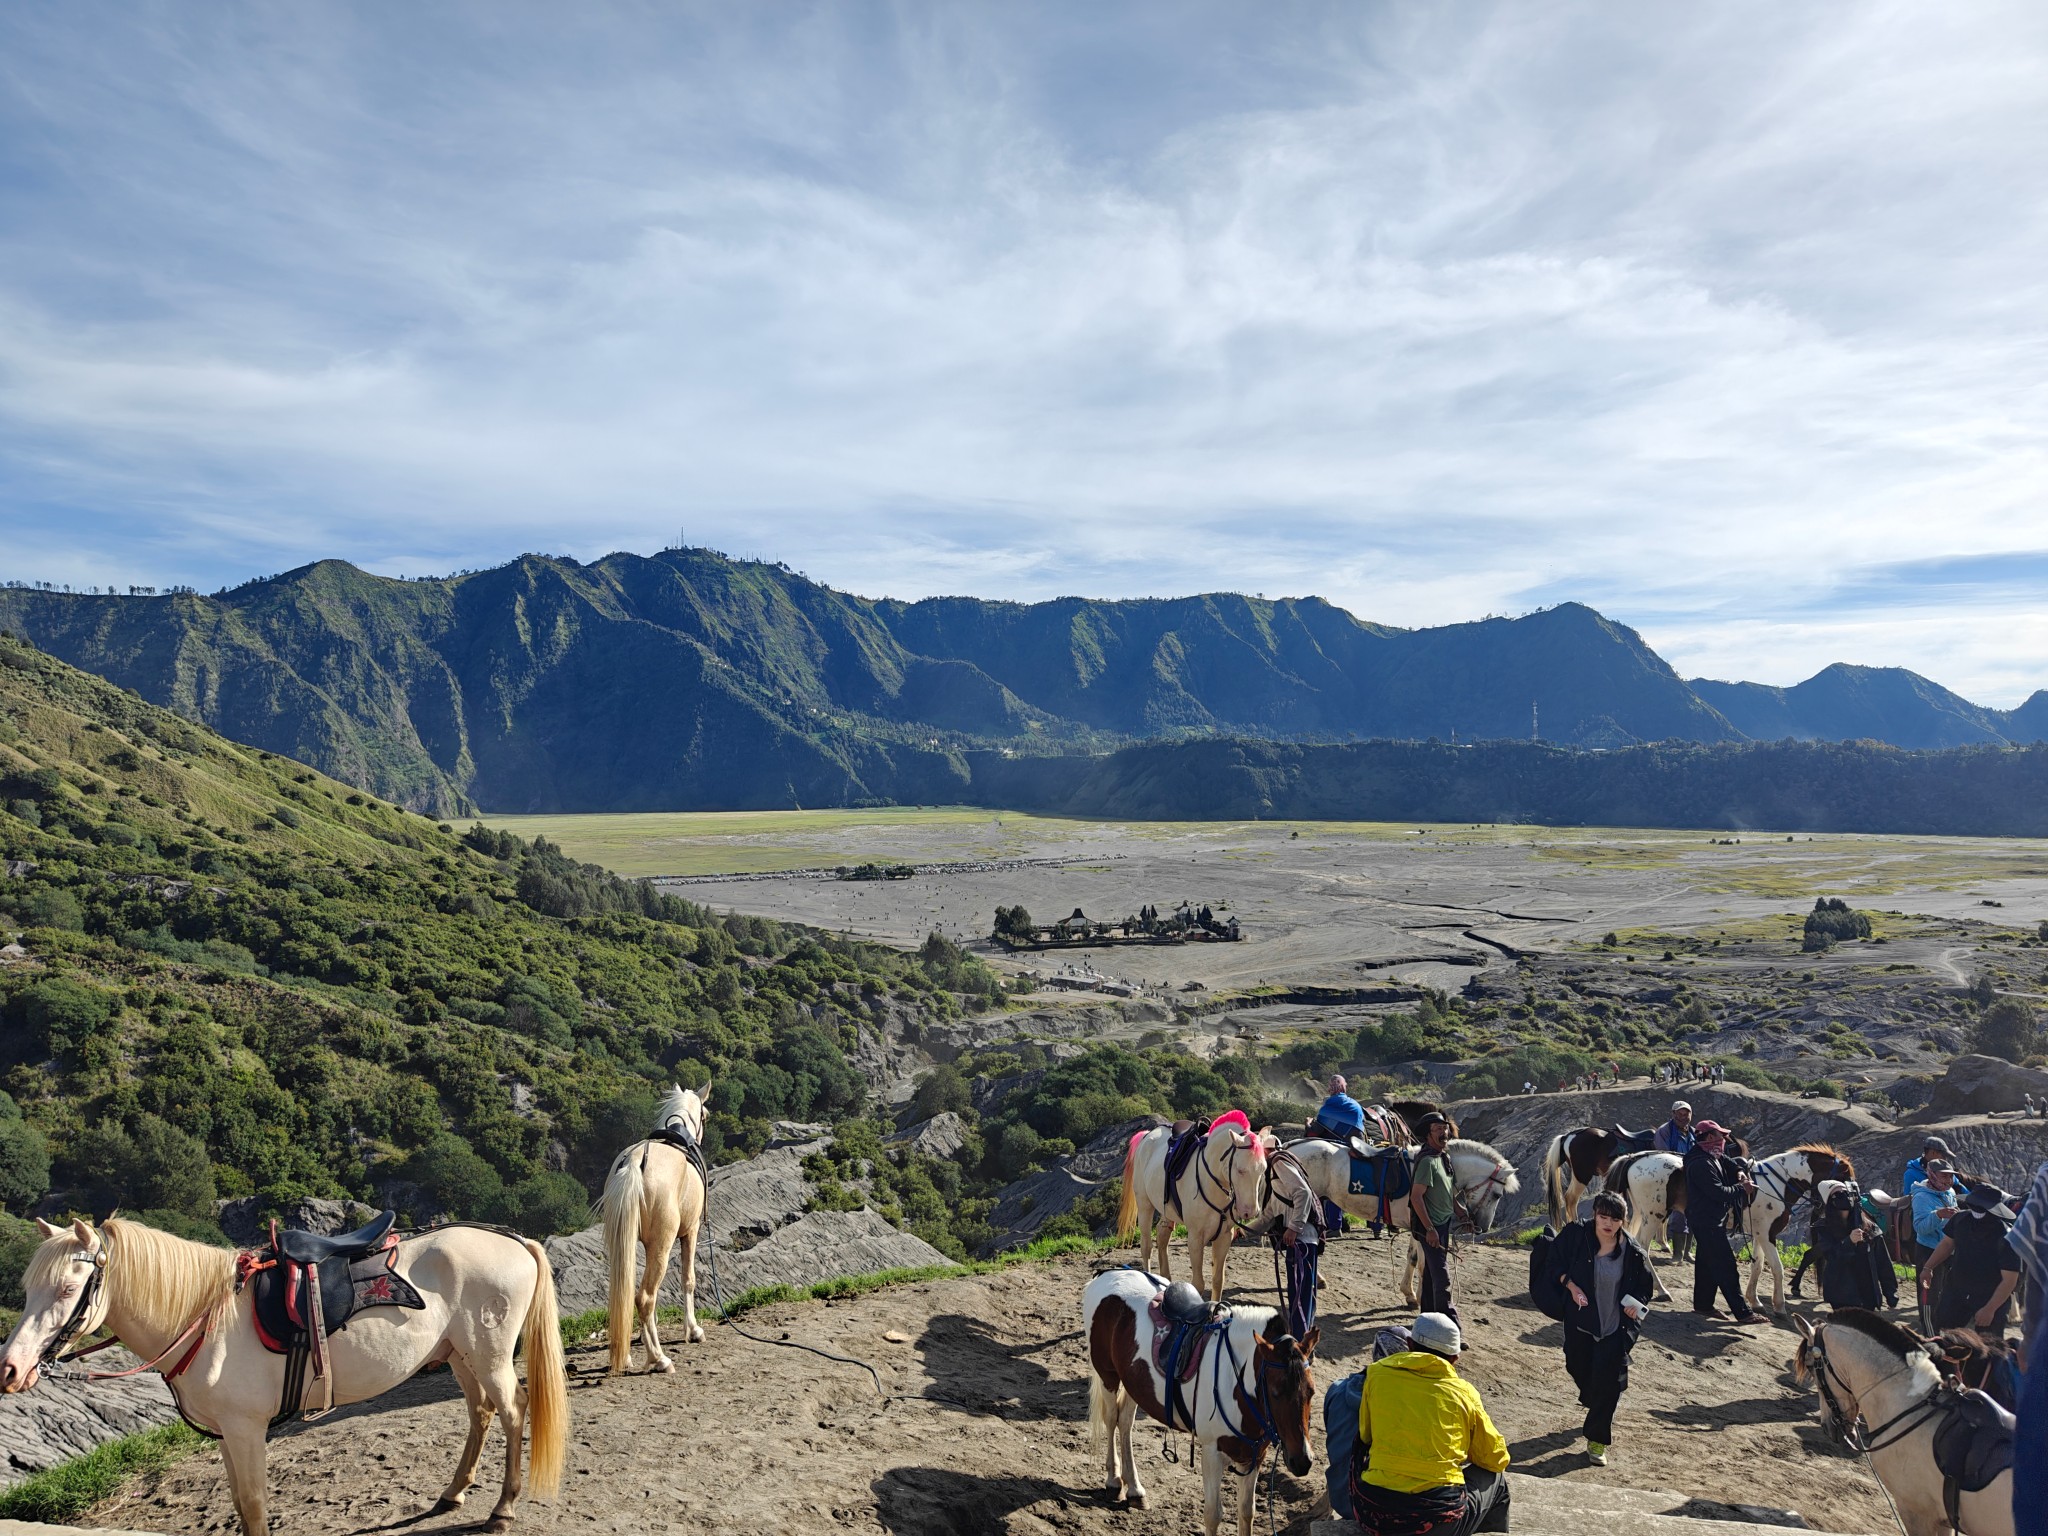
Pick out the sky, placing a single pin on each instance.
(1728, 320)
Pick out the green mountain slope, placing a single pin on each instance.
(242, 976)
(1845, 703)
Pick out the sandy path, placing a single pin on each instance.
(748, 1437)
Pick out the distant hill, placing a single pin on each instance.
(688, 680)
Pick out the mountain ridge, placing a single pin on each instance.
(689, 680)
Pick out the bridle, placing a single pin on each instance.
(1843, 1425)
(1205, 1176)
(52, 1361)
(75, 1325)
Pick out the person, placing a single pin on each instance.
(2029, 1240)
(1715, 1187)
(1675, 1135)
(1855, 1269)
(1916, 1170)
(1341, 1116)
(1432, 1460)
(1432, 1200)
(1606, 1275)
(1935, 1203)
(1979, 1285)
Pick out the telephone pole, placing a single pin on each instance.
(1535, 733)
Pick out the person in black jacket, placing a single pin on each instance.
(1714, 1188)
(1606, 1278)
(1856, 1271)
(1985, 1270)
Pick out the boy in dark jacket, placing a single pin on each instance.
(1606, 1277)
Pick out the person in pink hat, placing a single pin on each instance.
(1715, 1186)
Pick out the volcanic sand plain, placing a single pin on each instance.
(984, 1427)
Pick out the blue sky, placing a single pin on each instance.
(1729, 322)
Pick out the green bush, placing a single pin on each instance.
(62, 1014)
(2009, 1028)
(24, 1165)
(450, 1173)
(1832, 921)
(543, 1204)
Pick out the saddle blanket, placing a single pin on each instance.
(1388, 1174)
(284, 1311)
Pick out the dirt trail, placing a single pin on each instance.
(747, 1437)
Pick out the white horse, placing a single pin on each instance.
(1654, 1185)
(174, 1304)
(1252, 1390)
(1483, 1178)
(1870, 1369)
(1218, 1188)
(1781, 1183)
(653, 1196)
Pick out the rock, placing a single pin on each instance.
(62, 1418)
(12, 954)
(1982, 1085)
(1022, 1209)
(244, 1221)
(988, 1093)
(941, 1136)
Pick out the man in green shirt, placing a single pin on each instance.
(1432, 1199)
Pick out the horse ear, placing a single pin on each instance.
(1805, 1328)
(46, 1229)
(87, 1238)
(1308, 1344)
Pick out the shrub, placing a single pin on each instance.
(449, 1171)
(24, 1165)
(63, 1014)
(1831, 922)
(542, 1204)
(2008, 1028)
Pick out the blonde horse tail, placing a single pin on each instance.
(1127, 1207)
(622, 1196)
(547, 1383)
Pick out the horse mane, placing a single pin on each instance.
(1514, 1183)
(1822, 1149)
(675, 1106)
(173, 1280)
(1882, 1330)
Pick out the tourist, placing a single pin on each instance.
(1982, 1266)
(1341, 1116)
(1916, 1170)
(1432, 1460)
(1934, 1206)
(1675, 1135)
(1714, 1189)
(1607, 1276)
(2029, 1239)
(1855, 1269)
(1432, 1198)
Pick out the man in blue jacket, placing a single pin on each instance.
(1341, 1116)
(1715, 1187)
(1675, 1136)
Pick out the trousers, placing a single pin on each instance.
(1713, 1269)
(1599, 1369)
(1436, 1275)
(1481, 1505)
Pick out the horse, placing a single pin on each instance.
(159, 1294)
(1654, 1183)
(1575, 1160)
(1781, 1183)
(1217, 1189)
(653, 1195)
(1873, 1370)
(1483, 1178)
(1251, 1390)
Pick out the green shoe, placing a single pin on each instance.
(1596, 1453)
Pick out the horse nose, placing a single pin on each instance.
(1300, 1465)
(7, 1375)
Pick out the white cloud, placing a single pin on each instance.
(1432, 313)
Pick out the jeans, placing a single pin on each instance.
(1436, 1275)
(1713, 1269)
(1599, 1368)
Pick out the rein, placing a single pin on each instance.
(53, 1360)
(1226, 1183)
(1867, 1441)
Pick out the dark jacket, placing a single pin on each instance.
(1571, 1258)
(1710, 1189)
(1981, 1255)
(1849, 1273)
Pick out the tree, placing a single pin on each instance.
(171, 1170)
(940, 1090)
(2008, 1028)
(63, 1014)
(24, 1165)
(449, 1171)
(543, 1204)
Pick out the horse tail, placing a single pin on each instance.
(547, 1384)
(1127, 1207)
(622, 1196)
(1102, 1410)
(1553, 1167)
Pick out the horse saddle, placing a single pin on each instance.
(1973, 1442)
(1186, 1140)
(1633, 1141)
(305, 1288)
(1383, 1171)
(1182, 1322)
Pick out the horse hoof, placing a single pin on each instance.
(696, 1335)
(1136, 1501)
(498, 1523)
(665, 1367)
(445, 1506)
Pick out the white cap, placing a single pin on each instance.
(1436, 1333)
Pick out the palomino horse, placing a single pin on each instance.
(1781, 1183)
(161, 1295)
(1251, 1390)
(1483, 1178)
(653, 1195)
(1654, 1184)
(1576, 1160)
(1872, 1370)
(1219, 1188)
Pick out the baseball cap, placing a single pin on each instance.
(1934, 1144)
(1706, 1130)
(1679, 1104)
(1438, 1334)
(1936, 1165)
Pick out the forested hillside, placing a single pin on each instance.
(688, 680)
(236, 975)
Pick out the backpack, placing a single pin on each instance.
(1340, 1439)
(1551, 1298)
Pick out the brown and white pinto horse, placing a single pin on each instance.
(1251, 1391)
(1781, 1183)
(1575, 1160)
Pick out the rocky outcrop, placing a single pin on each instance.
(760, 1233)
(64, 1418)
(1986, 1085)
(1022, 1209)
(245, 1222)
(941, 1136)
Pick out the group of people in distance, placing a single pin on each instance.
(1428, 1457)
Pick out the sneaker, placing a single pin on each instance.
(1596, 1453)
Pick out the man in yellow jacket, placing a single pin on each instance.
(1432, 1462)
